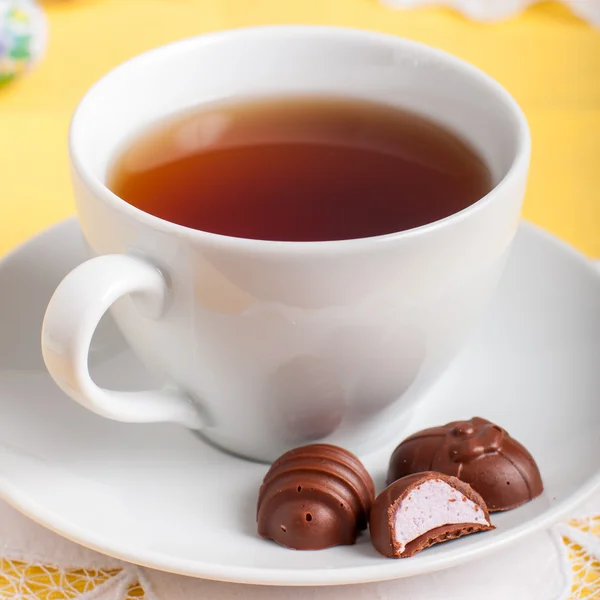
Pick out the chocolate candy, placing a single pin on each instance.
(424, 509)
(478, 452)
(315, 497)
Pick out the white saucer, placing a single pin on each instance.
(159, 496)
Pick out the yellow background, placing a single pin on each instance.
(547, 58)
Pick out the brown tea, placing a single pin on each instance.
(300, 169)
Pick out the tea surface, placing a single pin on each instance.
(299, 169)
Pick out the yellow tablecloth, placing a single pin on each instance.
(547, 58)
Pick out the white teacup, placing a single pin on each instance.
(270, 345)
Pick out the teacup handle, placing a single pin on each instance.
(72, 316)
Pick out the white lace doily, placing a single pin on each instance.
(559, 564)
(494, 10)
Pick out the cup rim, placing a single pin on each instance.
(113, 201)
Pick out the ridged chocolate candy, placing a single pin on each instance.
(424, 509)
(478, 452)
(315, 497)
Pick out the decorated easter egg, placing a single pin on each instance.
(22, 37)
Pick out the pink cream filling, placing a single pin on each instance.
(432, 504)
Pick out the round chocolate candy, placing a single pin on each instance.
(315, 497)
(424, 509)
(478, 452)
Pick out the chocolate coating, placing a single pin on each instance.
(315, 497)
(478, 452)
(383, 515)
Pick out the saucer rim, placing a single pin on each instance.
(293, 577)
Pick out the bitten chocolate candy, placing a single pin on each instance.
(315, 497)
(424, 509)
(478, 452)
